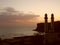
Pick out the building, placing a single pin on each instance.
(52, 29)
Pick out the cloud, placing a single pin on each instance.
(10, 15)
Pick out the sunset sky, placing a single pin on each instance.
(37, 7)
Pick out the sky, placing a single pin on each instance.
(27, 13)
(38, 7)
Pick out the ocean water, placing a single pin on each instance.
(15, 31)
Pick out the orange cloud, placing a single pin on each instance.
(12, 17)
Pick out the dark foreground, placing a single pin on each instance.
(27, 40)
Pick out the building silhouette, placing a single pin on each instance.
(51, 30)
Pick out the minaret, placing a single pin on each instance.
(46, 24)
(52, 22)
(45, 28)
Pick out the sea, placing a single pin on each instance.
(16, 31)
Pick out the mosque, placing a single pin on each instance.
(51, 29)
